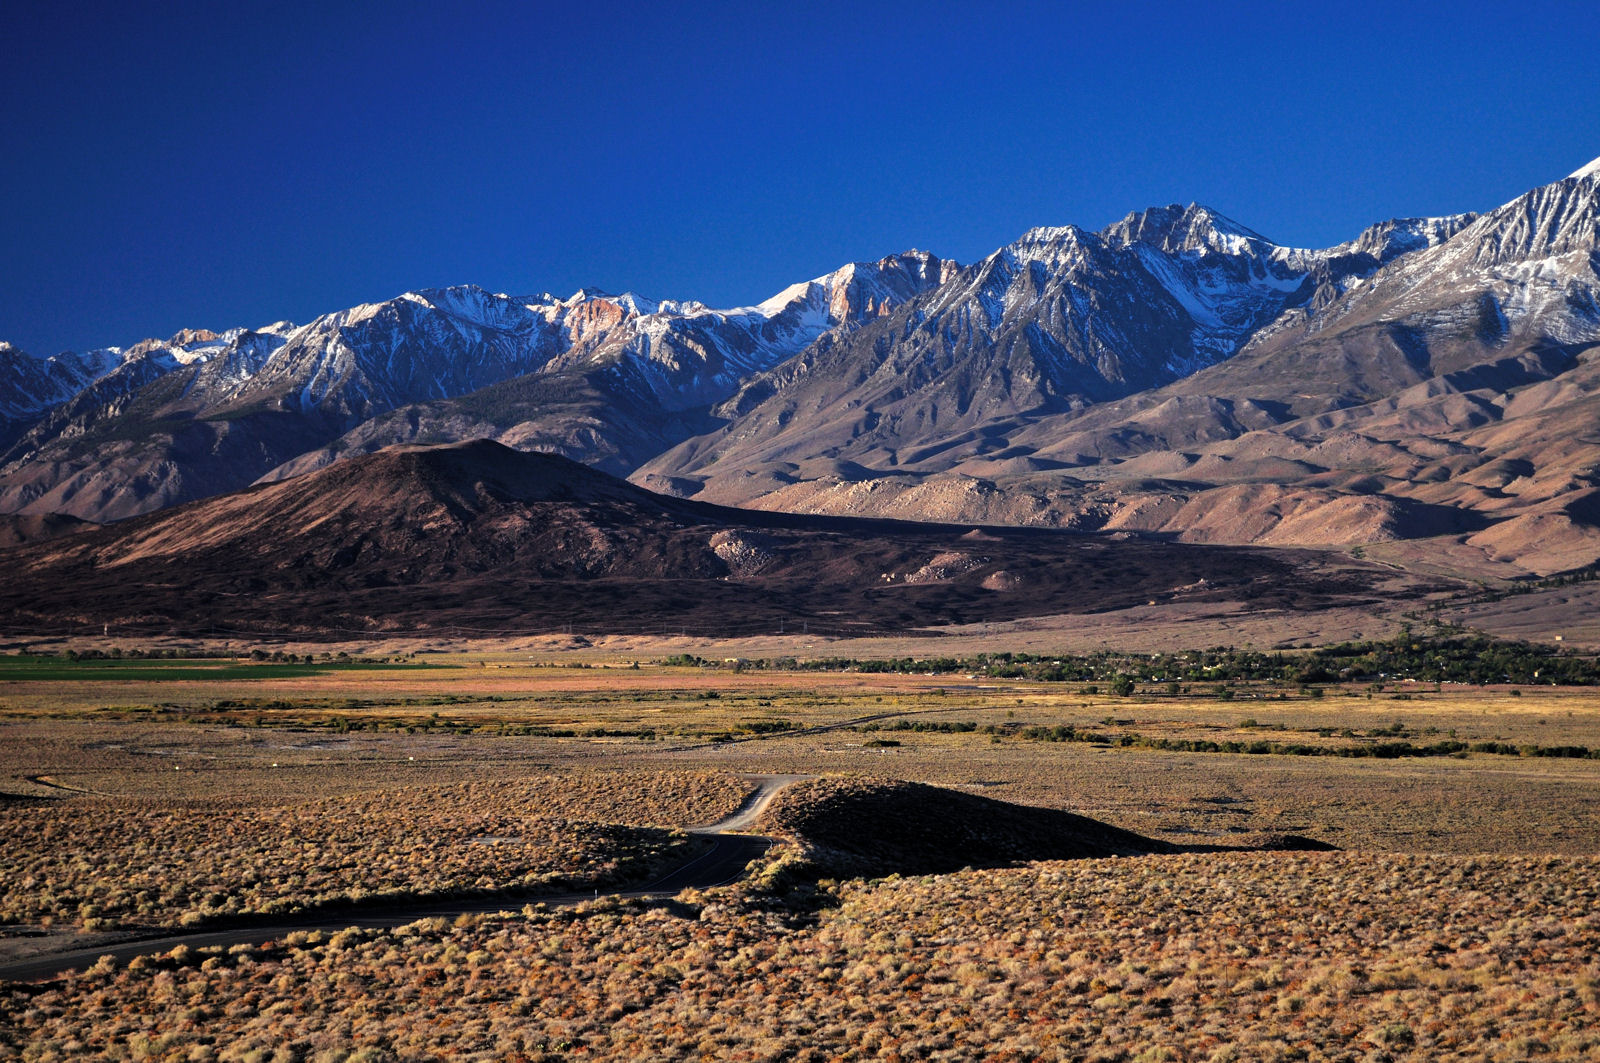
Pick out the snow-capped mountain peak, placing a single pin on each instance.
(686, 354)
(1585, 171)
(900, 351)
(29, 384)
(1175, 229)
(860, 289)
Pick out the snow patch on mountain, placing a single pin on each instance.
(1585, 171)
(686, 354)
(30, 385)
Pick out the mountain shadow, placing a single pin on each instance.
(477, 539)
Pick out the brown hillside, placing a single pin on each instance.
(479, 538)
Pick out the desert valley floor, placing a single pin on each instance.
(963, 865)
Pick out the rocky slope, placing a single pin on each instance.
(1433, 378)
(193, 417)
(1059, 321)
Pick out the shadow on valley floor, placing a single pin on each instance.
(823, 829)
(871, 828)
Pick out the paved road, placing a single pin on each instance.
(725, 862)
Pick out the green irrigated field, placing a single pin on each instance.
(22, 668)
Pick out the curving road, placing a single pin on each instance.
(724, 863)
(767, 787)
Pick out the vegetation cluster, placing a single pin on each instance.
(1326, 956)
(1463, 658)
(99, 863)
(1383, 743)
(1382, 749)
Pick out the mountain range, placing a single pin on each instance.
(1425, 391)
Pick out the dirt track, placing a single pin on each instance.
(724, 862)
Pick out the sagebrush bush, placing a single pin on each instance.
(1327, 956)
(99, 863)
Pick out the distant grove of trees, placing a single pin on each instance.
(1460, 658)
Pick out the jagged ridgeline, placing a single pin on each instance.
(1431, 379)
(610, 380)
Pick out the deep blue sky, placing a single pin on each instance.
(216, 164)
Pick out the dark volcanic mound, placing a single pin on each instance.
(875, 827)
(479, 539)
(872, 827)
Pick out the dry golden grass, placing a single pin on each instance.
(1216, 957)
(289, 740)
(1448, 931)
(102, 863)
(500, 693)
